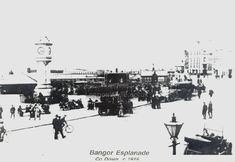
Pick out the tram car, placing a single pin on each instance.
(208, 144)
(114, 105)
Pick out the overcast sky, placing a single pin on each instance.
(104, 34)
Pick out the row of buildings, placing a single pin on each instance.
(16, 83)
(196, 61)
(200, 60)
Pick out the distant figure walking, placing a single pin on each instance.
(20, 111)
(199, 92)
(154, 100)
(63, 121)
(90, 104)
(1, 111)
(204, 110)
(210, 110)
(158, 101)
(38, 112)
(2, 131)
(31, 112)
(12, 111)
(211, 92)
(96, 107)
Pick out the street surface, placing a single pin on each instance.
(142, 131)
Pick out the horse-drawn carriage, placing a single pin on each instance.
(114, 105)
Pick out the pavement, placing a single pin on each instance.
(143, 130)
(21, 123)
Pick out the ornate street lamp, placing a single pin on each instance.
(173, 129)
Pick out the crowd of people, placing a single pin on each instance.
(65, 104)
(152, 93)
(92, 104)
(112, 105)
(34, 111)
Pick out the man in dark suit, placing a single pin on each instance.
(1, 110)
(204, 110)
(58, 126)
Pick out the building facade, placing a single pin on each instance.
(198, 62)
(161, 77)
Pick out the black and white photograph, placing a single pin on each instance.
(117, 80)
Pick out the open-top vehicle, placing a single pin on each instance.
(208, 144)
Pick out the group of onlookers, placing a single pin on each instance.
(65, 104)
(208, 108)
(34, 110)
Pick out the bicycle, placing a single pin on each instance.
(68, 128)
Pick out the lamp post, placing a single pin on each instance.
(173, 129)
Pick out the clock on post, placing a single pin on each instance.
(44, 51)
(43, 58)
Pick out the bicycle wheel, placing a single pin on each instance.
(69, 129)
